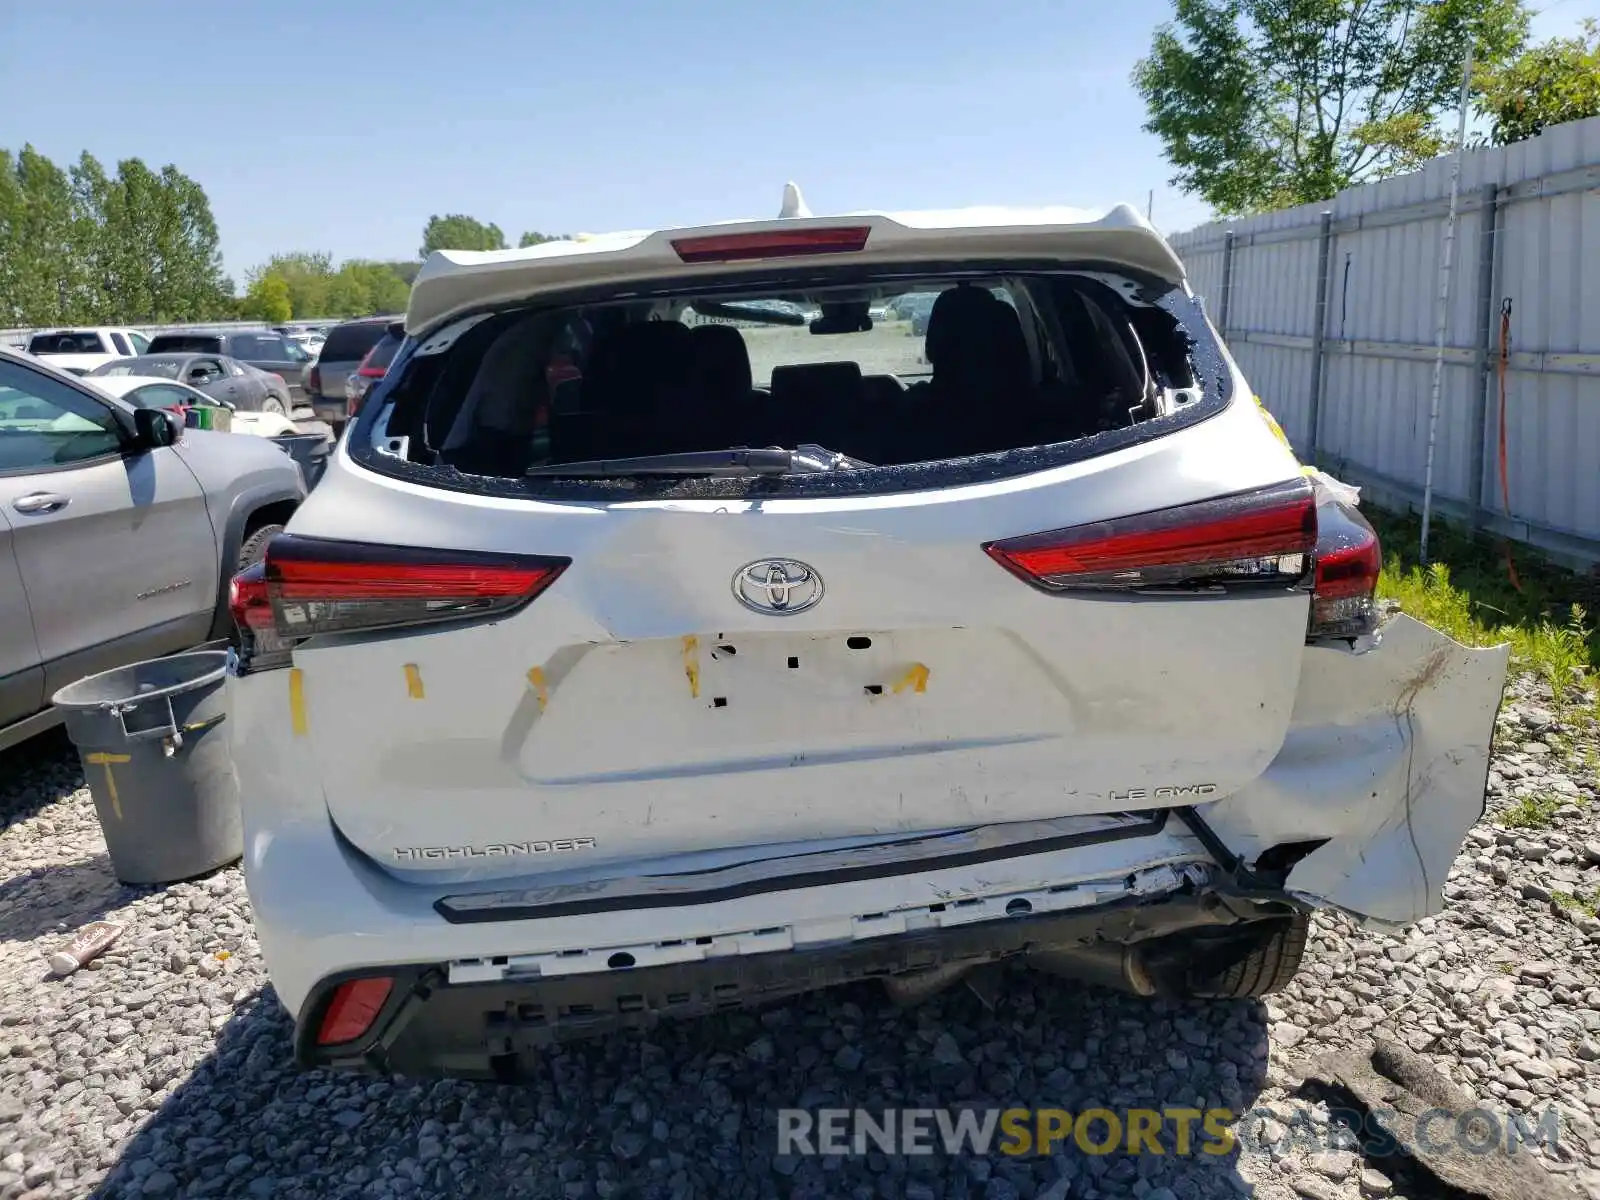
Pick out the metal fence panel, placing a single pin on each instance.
(1528, 229)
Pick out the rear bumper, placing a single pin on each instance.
(330, 410)
(1364, 809)
(429, 1025)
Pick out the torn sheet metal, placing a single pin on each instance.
(1386, 757)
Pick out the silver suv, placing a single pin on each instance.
(118, 529)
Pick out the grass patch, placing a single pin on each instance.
(1532, 812)
(1586, 903)
(1467, 593)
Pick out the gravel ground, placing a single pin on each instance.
(164, 1069)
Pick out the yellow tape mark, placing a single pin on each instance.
(413, 681)
(297, 702)
(916, 679)
(691, 664)
(1272, 424)
(536, 681)
(101, 759)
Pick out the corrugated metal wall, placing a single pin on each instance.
(1528, 230)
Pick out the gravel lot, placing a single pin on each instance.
(164, 1069)
(888, 349)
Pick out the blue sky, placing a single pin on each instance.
(341, 125)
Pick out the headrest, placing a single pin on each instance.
(953, 307)
(980, 343)
(722, 360)
(631, 365)
(807, 379)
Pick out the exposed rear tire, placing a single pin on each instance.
(254, 546)
(273, 405)
(1256, 965)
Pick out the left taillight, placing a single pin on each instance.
(309, 586)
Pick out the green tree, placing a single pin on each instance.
(306, 274)
(386, 291)
(535, 239)
(268, 299)
(80, 245)
(10, 241)
(1266, 103)
(96, 288)
(459, 232)
(1547, 84)
(407, 271)
(187, 283)
(348, 293)
(39, 275)
(358, 288)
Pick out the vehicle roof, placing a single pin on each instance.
(452, 282)
(364, 321)
(82, 329)
(166, 356)
(121, 385)
(45, 366)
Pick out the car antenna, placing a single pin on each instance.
(794, 204)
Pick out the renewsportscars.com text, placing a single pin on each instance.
(1175, 1131)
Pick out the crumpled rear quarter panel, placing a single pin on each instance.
(1386, 756)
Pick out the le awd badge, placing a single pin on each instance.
(1180, 791)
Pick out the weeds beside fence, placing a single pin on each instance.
(1548, 614)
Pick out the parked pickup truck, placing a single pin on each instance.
(80, 351)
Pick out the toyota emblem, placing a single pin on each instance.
(777, 586)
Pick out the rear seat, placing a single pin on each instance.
(639, 396)
(741, 414)
(981, 397)
(822, 403)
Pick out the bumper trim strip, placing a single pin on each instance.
(543, 903)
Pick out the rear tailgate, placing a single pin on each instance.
(638, 708)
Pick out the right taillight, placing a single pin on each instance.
(1251, 539)
(309, 586)
(1273, 537)
(314, 381)
(1344, 588)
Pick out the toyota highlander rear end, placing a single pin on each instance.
(671, 634)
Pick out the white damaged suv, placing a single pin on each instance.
(670, 634)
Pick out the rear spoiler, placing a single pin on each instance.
(454, 282)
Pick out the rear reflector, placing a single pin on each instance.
(354, 1007)
(308, 586)
(1259, 538)
(779, 243)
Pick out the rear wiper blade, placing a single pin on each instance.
(737, 461)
